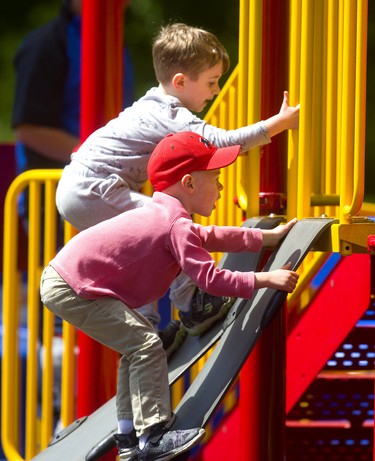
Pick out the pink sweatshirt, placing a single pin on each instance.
(135, 256)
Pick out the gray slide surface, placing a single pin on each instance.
(225, 362)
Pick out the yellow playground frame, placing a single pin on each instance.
(325, 177)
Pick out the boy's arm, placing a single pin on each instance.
(280, 279)
(286, 119)
(271, 237)
(230, 238)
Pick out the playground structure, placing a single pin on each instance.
(318, 171)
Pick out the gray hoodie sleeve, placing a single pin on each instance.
(176, 118)
(248, 136)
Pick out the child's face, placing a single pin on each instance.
(207, 188)
(197, 93)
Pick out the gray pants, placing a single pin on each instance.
(142, 384)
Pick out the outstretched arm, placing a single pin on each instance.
(280, 279)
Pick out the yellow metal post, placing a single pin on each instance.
(359, 110)
(330, 184)
(294, 94)
(347, 105)
(33, 315)
(251, 176)
(306, 116)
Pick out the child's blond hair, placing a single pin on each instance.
(190, 50)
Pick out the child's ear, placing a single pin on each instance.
(178, 81)
(188, 183)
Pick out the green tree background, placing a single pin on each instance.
(142, 21)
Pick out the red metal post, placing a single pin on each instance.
(102, 63)
(101, 96)
(274, 82)
(262, 397)
(262, 383)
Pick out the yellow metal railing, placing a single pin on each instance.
(250, 63)
(327, 72)
(224, 113)
(328, 43)
(38, 374)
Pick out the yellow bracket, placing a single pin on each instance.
(349, 238)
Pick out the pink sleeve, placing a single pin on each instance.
(191, 244)
(230, 238)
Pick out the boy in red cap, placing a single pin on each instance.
(100, 278)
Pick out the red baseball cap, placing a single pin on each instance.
(182, 153)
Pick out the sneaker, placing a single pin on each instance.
(164, 445)
(172, 336)
(205, 311)
(126, 445)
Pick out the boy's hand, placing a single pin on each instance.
(286, 119)
(280, 279)
(290, 114)
(283, 279)
(273, 236)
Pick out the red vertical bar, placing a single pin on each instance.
(262, 380)
(102, 63)
(102, 41)
(250, 408)
(274, 82)
(262, 397)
